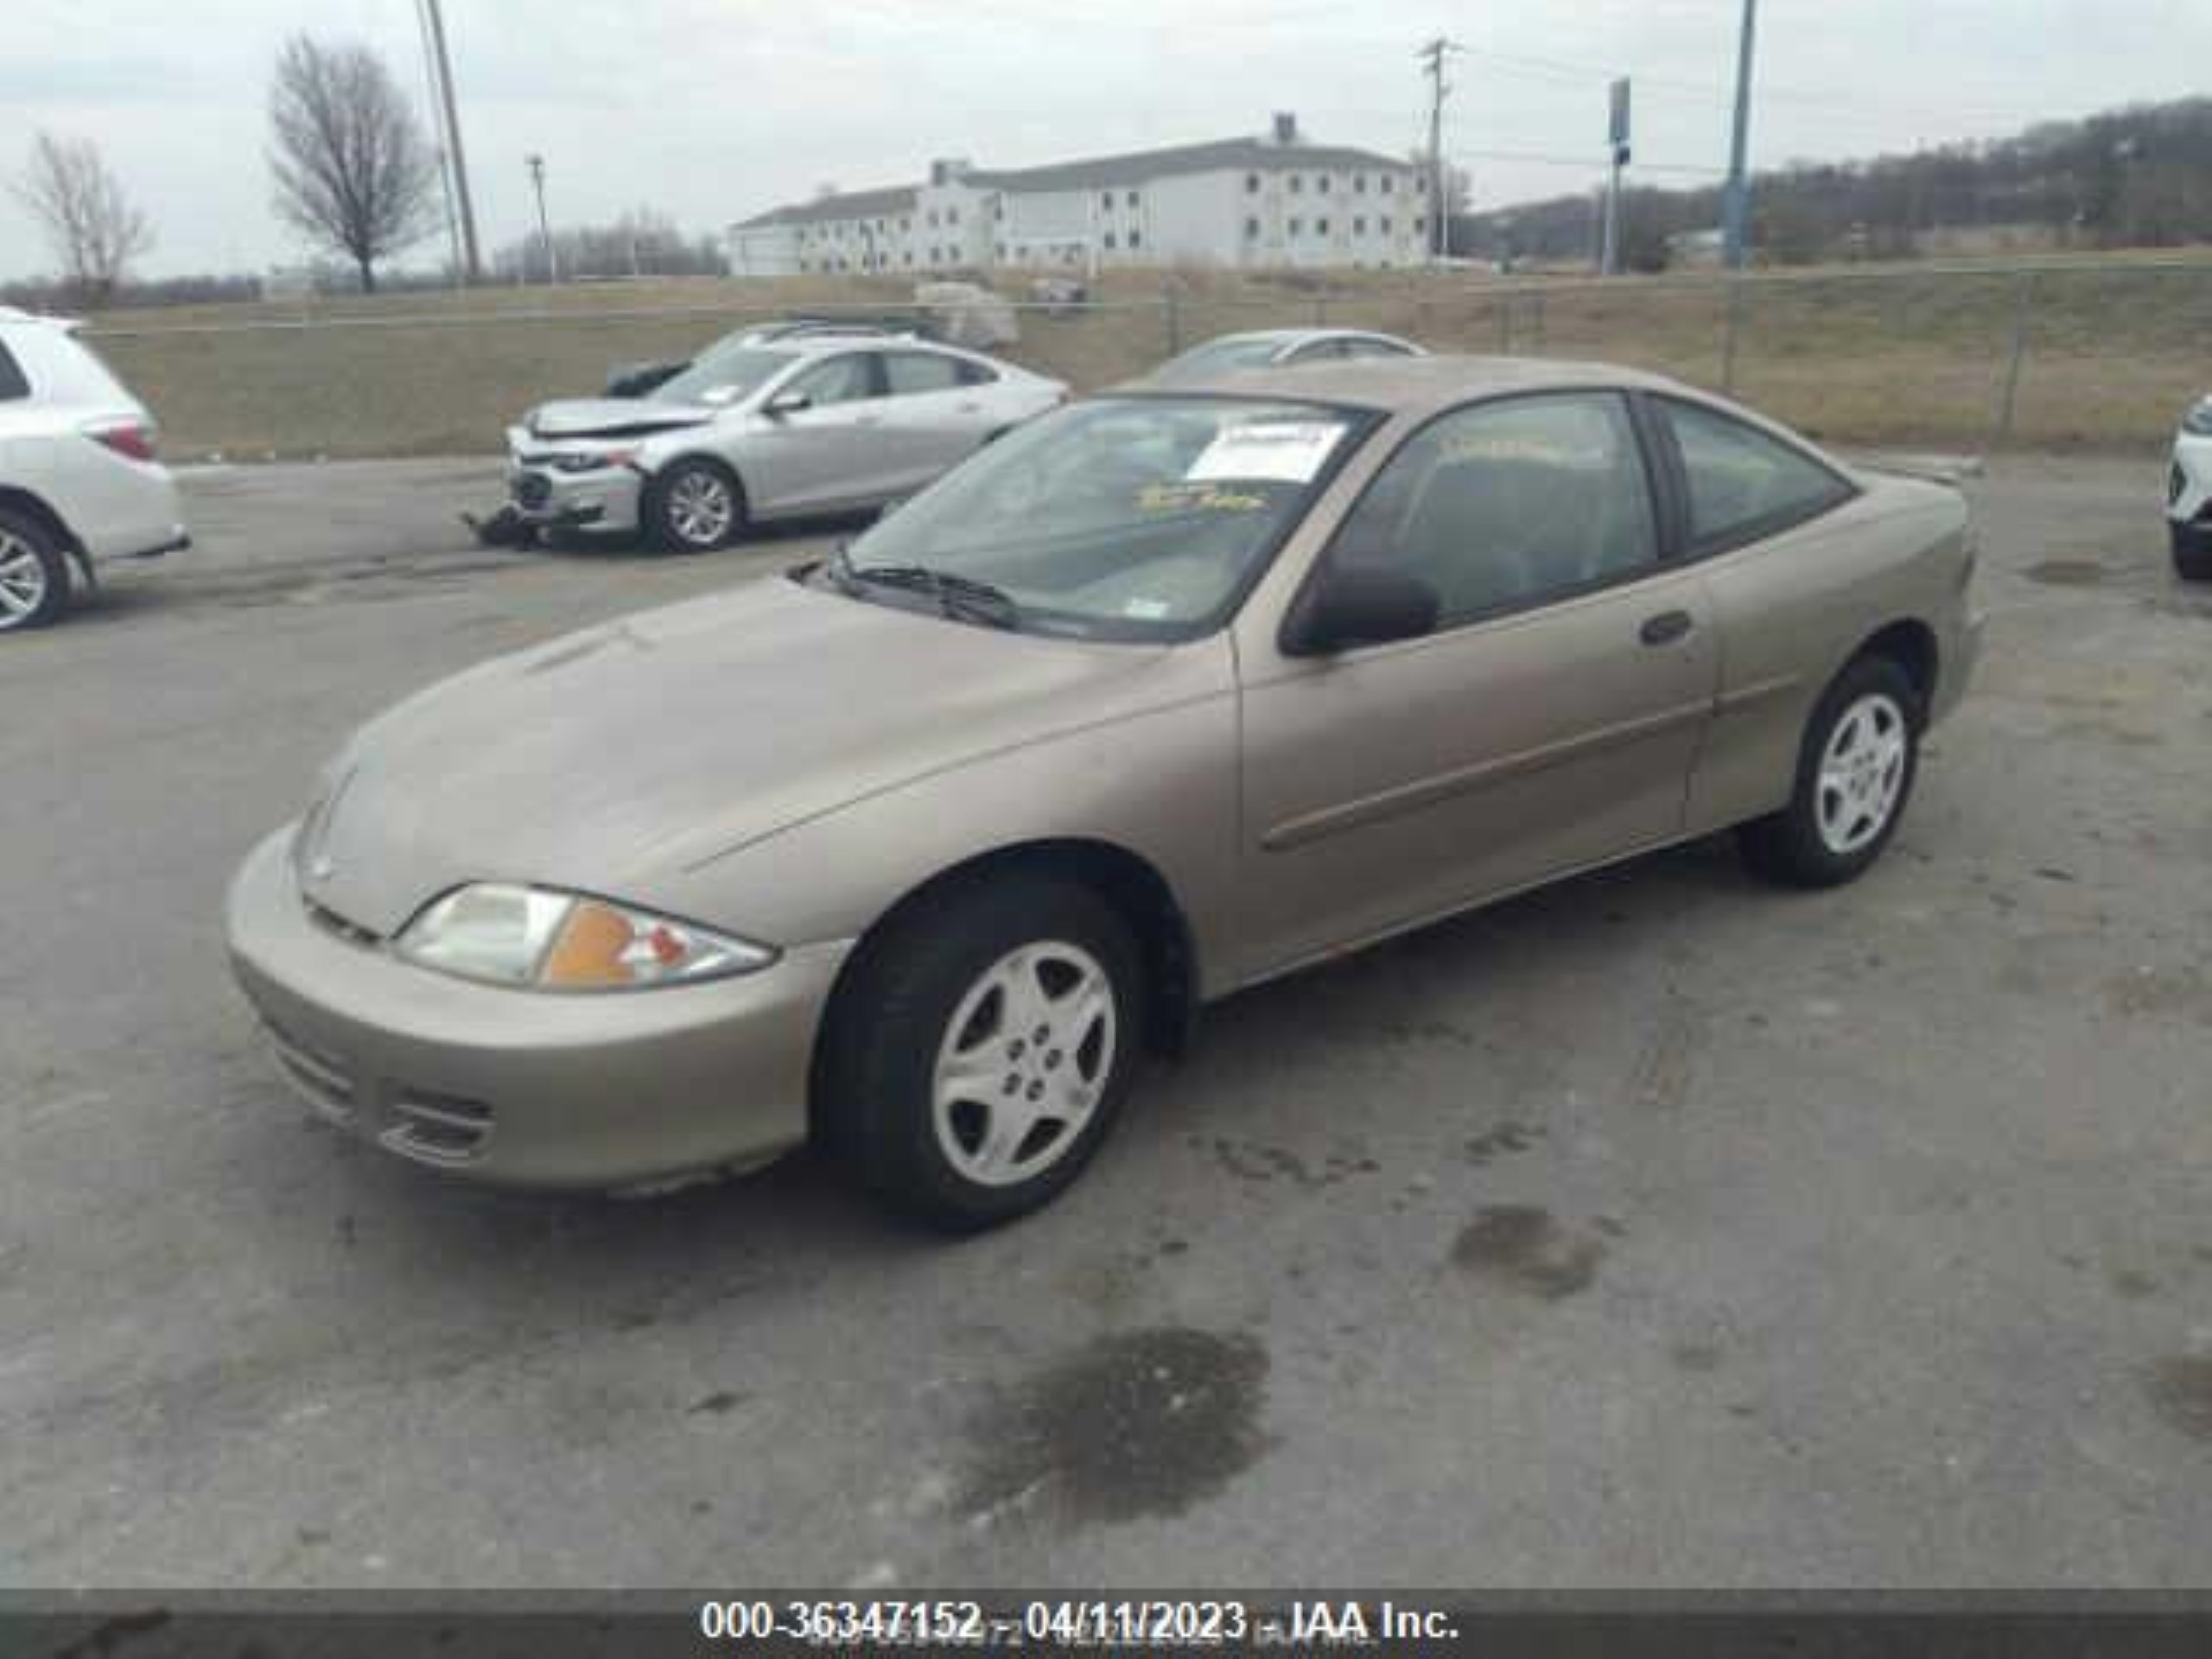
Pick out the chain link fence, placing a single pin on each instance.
(2099, 356)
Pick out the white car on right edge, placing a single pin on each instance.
(2188, 494)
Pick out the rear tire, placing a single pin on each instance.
(34, 574)
(694, 506)
(2192, 552)
(979, 1055)
(1855, 771)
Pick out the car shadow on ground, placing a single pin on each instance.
(799, 1221)
(580, 544)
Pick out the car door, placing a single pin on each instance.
(937, 412)
(1550, 722)
(833, 453)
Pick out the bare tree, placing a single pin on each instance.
(95, 228)
(353, 169)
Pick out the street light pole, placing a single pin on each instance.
(545, 226)
(459, 159)
(1737, 211)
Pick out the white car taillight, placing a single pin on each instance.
(135, 440)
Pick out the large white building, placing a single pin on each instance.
(1271, 200)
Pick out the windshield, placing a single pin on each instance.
(1230, 351)
(726, 374)
(1130, 519)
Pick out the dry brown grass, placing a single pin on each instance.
(2116, 347)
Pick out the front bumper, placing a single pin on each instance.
(605, 499)
(524, 1088)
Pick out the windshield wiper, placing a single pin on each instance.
(956, 596)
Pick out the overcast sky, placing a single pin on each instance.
(711, 110)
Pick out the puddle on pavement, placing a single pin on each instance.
(2180, 1387)
(1526, 1249)
(2067, 573)
(1132, 1424)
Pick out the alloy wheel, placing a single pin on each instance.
(23, 582)
(700, 508)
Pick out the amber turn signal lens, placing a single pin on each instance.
(590, 949)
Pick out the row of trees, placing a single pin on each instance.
(2137, 177)
(352, 171)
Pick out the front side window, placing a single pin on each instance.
(1507, 505)
(1744, 484)
(1138, 518)
(725, 375)
(12, 386)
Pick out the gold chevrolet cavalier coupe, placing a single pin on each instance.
(915, 851)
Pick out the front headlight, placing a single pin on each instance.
(535, 937)
(584, 461)
(2198, 422)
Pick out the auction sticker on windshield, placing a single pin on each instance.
(1292, 451)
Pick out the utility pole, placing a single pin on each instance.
(1609, 263)
(1439, 213)
(536, 164)
(1736, 209)
(470, 258)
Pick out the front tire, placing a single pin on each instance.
(1855, 772)
(34, 574)
(979, 1058)
(695, 506)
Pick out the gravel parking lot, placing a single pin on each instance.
(1659, 1230)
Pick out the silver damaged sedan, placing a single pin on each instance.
(751, 432)
(916, 850)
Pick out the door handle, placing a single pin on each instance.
(1665, 628)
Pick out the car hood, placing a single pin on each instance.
(620, 759)
(611, 417)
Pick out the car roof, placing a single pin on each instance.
(1415, 385)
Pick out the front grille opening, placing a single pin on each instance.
(438, 1128)
(327, 1080)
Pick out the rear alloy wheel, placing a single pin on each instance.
(978, 1057)
(695, 507)
(1854, 775)
(2192, 546)
(33, 575)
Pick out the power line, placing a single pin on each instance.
(1591, 164)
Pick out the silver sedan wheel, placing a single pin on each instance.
(1024, 1062)
(1862, 774)
(701, 508)
(23, 581)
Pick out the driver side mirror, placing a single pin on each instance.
(1360, 605)
(787, 403)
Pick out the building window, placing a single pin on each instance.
(1320, 227)
(1359, 228)
(1252, 228)
(1001, 253)
(1136, 238)
(1297, 184)
(952, 215)
(1131, 198)
(1251, 184)
(1420, 226)
(1297, 227)
(1106, 199)
(1109, 241)
(1388, 184)
(1322, 184)
(1359, 184)
(1384, 223)
(905, 225)
(1420, 184)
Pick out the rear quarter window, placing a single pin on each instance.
(12, 386)
(1745, 484)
